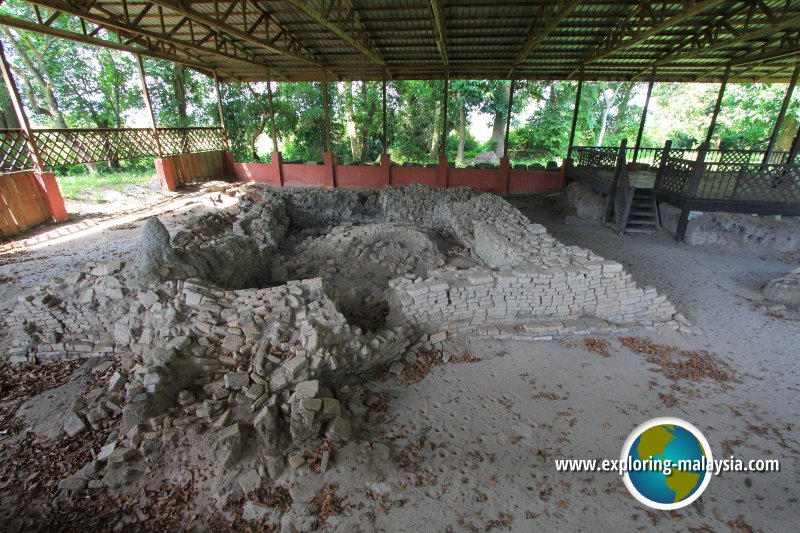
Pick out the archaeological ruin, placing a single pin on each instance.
(256, 330)
(297, 265)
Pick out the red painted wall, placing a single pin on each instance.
(409, 175)
(522, 181)
(359, 177)
(482, 179)
(304, 175)
(258, 172)
(496, 180)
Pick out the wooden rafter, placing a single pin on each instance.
(437, 11)
(150, 39)
(721, 42)
(309, 40)
(345, 25)
(645, 21)
(246, 33)
(95, 41)
(549, 17)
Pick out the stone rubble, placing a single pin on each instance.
(784, 289)
(245, 325)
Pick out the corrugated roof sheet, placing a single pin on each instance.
(399, 39)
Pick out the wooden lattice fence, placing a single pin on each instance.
(91, 145)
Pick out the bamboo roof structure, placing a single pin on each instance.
(316, 40)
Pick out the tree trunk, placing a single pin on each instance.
(39, 73)
(604, 120)
(179, 86)
(8, 117)
(254, 138)
(499, 126)
(370, 111)
(462, 134)
(350, 121)
(623, 106)
(264, 117)
(436, 131)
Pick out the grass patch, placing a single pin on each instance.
(85, 185)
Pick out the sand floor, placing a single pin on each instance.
(477, 441)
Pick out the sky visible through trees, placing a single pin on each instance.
(66, 84)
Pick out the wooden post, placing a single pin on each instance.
(717, 105)
(327, 113)
(781, 114)
(443, 142)
(385, 148)
(22, 118)
(574, 118)
(644, 116)
(612, 192)
(508, 116)
(148, 104)
(273, 131)
(795, 149)
(46, 180)
(662, 165)
(691, 191)
(219, 109)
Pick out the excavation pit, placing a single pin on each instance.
(252, 333)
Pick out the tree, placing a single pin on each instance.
(468, 95)
(34, 55)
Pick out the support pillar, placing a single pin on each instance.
(45, 180)
(644, 116)
(149, 105)
(329, 162)
(574, 118)
(795, 148)
(273, 131)
(386, 169)
(219, 109)
(508, 117)
(503, 176)
(325, 96)
(691, 191)
(385, 147)
(442, 171)
(277, 165)
(781, 115)
(443, 142)
(717, 105)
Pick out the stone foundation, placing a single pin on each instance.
(734, 228)
(258, 322)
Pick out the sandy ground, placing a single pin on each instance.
(472, 446)
(97, 232)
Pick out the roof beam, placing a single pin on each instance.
(766, 57)
(184, 8)
(116, 24)
(360, 41)
(95, 41)
(437, 8)
(625, 35)
(722, 44)
(543, 26)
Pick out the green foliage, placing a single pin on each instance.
(76, 183)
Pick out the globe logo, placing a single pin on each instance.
(666, 460)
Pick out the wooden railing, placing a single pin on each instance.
(91, 145)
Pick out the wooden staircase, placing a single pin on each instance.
(634, 211)
(643, 214)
